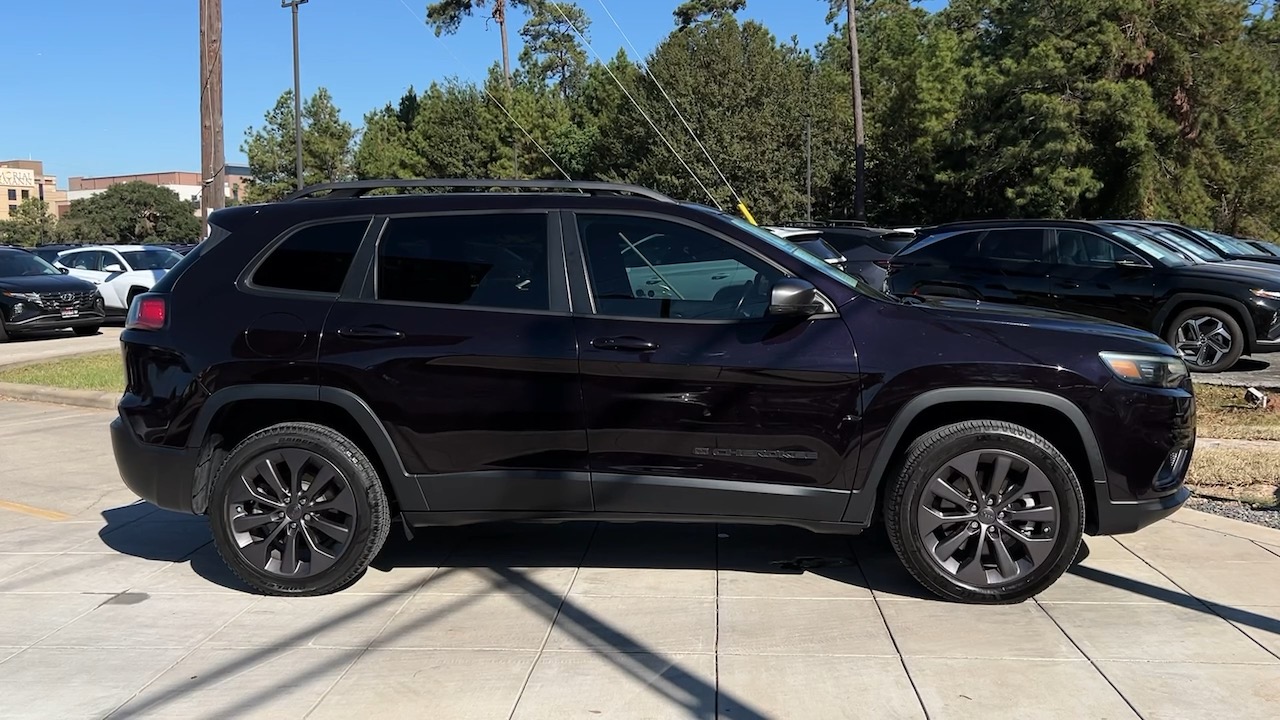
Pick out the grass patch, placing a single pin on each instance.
(1222, 413)
(99, 371)
(1249, 473)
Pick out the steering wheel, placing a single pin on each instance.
(752, 290)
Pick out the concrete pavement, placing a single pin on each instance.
(51, 345)
(112, 608)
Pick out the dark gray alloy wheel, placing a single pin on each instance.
(984, 511)
(298, 509)
(988, 517)
(1208, 339)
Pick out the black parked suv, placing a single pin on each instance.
(321, 367)
(35, 296)
(1211, 312)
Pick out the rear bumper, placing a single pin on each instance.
(161, 476)
(1120, 518)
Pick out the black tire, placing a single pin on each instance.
(87, 330)
(1218, 325)
(361, 489)
(4, 334)
(1056, 544)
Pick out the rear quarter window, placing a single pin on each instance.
(941, 248)
(314, 259)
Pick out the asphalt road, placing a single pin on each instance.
(47, 346)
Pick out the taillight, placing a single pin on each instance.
(148, 312)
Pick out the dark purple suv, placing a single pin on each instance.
(323, 367)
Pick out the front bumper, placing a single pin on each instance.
(54, 322)
(162, 476)
(1120, 518)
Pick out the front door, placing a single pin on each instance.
(1099, 278)
(463, 346)
(696, 403)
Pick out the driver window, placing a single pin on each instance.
(649, 268)
(1081, 249)
(87, 260)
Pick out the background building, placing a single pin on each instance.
(185, 184)
(24, 179)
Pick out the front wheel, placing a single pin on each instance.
(298, 509)
(1208, 339)
(985, 512)
(86, 330)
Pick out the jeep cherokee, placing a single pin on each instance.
(322, 367)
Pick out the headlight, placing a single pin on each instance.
(1268, 294)
(29, 297)
(1150, 370)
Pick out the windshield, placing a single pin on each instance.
(158, 259)
(1153, 248)
(1227, 244)
(1190, 247)
(805, 256)
(21, 263)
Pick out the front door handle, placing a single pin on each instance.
(1067, 285)
(371, 332)
(633, 344)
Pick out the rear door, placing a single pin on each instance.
(1017, 263)
(460, 340)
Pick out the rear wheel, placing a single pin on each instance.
(1208, 339)
(985, 512)
(298, 509)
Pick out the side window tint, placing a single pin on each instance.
(1018, 245)
(1087, 250)
(314, 259)
(495, 261)
(648, 268)
(951, 249)
(87, 260)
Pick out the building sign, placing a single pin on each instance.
(18, 177)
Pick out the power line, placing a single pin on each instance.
(643, 114)
(645, 65)
(422, 23)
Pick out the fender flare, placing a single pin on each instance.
(1239, 310)
(862, 503)
(407, 490)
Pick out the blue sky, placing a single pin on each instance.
(111, 88)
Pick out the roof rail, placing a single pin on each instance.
(359, 188)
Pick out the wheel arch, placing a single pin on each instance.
(231, 414)
(1182, 301)
(1056, 418)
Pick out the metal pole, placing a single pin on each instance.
(297, 87)
(860, 144)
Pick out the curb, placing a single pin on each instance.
(60, 396)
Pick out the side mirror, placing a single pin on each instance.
(63, 270)
(113, 267)
(794, 297)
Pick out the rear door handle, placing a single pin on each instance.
(633, 344)
(1069, 285)
(371, 332)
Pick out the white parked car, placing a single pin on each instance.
(120, 271)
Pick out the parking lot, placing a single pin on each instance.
(109, 607)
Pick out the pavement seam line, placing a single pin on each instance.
(1205, 603)
(551, 628)
(374, 638)
(1092, 663)
(183, 657)
(902, 660)
(715, 643)
(1264, 546)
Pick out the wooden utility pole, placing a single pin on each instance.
(860, 142)
(213, 175)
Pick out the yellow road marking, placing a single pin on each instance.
(33, 511)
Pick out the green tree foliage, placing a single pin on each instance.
(272, 150)
(131, 213)
(988, 108)
(30, 224)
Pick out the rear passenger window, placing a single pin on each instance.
(315, 259)
(497, 261)
(948, 249)
(1018, 245)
